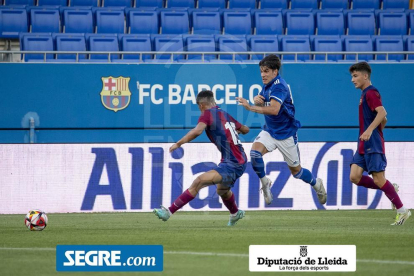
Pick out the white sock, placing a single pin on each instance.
(401, 210)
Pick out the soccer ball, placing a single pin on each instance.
(36, 220)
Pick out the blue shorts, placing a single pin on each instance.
(230, 172)
(373, 162)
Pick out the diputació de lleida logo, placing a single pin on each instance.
(115, 94)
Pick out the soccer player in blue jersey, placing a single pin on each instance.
(370, 154)
(276, 103)
(222, 130)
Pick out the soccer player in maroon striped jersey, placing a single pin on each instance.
(370, 154)
(222, 130)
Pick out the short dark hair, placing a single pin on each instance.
(205, 96)
(271, 61)
(361, 67)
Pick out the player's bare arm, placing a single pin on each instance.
(191, 135)
(381, 115)
(243, 130)
(259, 100)
(383, 123)
(273, 109)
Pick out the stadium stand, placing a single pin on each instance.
(361, 23)
(358, 44)
(36, 42)
(118, 3)
(410, 46)
(110, 21)
(206, 22)
(366, 4)
(304, 4)
(262, 43)
(20, 2)
(102, 43)
(274, 4)
(300, 23)
(45, 21)
(70, 42)
(295, 44)
(268, 22)
(13, 22)
(78, 21)
(135, 43)
(168, 43)
(211, 4)
(232, 44)
(149, 3)
(395, 4)
(392, 23)
(389, 44)
(201, 43)
(335, 4)
(181, 4)
(142, 22)
(327, 44)
(237, 23)
(174, 22)
(52, 2)
(88, 3)
(249, 4)
(330, 23)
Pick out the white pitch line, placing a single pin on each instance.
(210, 254)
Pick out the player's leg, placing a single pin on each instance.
(206, 179)
(230, 173)
(263, 144)
(290, 150)
(358, 166)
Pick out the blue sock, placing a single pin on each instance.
(306, 176)
(257, 163)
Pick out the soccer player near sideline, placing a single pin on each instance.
(370, 154)
(276, 104)
(222, 130)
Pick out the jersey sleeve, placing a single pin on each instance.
(278, 93)
(373, 99)
(236, 123)
(205, 118)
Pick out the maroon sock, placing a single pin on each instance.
(367, 182)
(392, 195)
(182, 200)
(231, 204)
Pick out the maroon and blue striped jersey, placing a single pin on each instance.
(222, 131)
(370, 99)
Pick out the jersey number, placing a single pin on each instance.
(232, 127)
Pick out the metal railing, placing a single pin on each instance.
(19, 56)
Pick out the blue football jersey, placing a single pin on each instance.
(284, 124)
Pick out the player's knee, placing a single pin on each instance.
(378, 181)
(355, 178)
(222, 192)
(197, 184)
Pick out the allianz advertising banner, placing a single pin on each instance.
(140, 177)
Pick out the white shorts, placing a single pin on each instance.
(287, 147)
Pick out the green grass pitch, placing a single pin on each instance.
(200, 243)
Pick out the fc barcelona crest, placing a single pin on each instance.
(115, 94)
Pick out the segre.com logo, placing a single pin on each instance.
(109, 258)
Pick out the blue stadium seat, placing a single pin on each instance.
(232, 44)
(237, 23)
(292, 43)
(52, 3)
(361, 23)
(392, 23)
(45, 21)
(274, 4)
(410, 46)
(118, 3)
(89, 3)
(327, 44)
(135, 43)
(201, 43)
(365, 4)
(103, 43)
(78, 21)
(36, 42)
(330, 23)
(174, 22)
(206, 22)
(389, 44)
(13, 22)
(211, 4)
(300, 23)
(143, 22)
(358, 43)
(303, 4)
(110, 21)
(20, 2)
(268, 22)
(235, 4)
(169, 43)
(181, 3)
(335, 4)
(411, 17)
(263, 43)
(70, 43)
(149, 3)
(395, 4)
